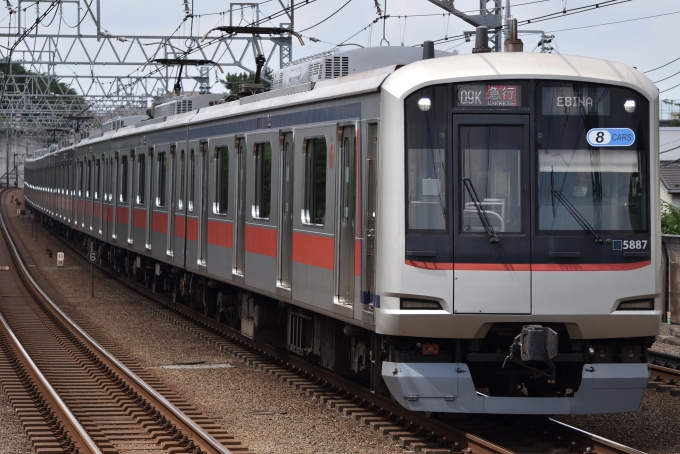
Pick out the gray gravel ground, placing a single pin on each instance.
(12, 437)
(262, 412)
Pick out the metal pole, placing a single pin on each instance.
(92, 278)
(7, 139)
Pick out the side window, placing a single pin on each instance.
(182, 171)
(160, 189)
(97, 178)
(426, 162)
(124, 179)
(314, 195)
(221, 180)
(81, 179)
(263, 181)
(192, 180)
(89, 179)
(141, 178)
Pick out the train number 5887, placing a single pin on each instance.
(635, 244)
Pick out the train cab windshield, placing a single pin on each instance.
(512, 157)
(592, 150)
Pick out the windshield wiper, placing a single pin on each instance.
(493, 238)
(585, 225)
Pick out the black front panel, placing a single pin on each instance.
(428, 169)
(527, 172)
(592, 163)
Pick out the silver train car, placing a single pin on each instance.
(471, 234)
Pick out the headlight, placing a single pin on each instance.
(420, 305)
(640, 305)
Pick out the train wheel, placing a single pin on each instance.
(207, 302)
(220, 307)
(176, 295)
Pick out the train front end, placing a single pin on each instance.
(518, 223)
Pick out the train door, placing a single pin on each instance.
(370, 210)
(220, 234)
(151, 192)
(114, 195)
(285, 252)
(202, 256)
(172, 174)
(193, 204)
(98, 208)
(129, 174)
(240, 221)
(346, 217)
(180, 221)
(492, 256)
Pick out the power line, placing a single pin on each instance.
(674, 86)
(563, 13)
(618, 22)
(570, 12)
(319, 23)
(670, 149)
(663, 66)
(666, 78)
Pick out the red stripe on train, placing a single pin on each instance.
(261, 241)
(192, 229)
(525, 267)
(123, 213)
(313, 250)
(160, 222)
(221, 233)
(179, 226)
(357, 258)
(139, 220)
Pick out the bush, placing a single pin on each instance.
(670, 219)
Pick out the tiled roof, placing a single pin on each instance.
(670, 176)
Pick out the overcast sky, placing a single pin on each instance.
(644, 43)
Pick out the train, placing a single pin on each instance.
(471, 233)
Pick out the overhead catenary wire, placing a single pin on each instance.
(319, 23)
(564, 13)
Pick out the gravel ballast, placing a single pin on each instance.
(262, 412)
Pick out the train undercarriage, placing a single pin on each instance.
(497, 365)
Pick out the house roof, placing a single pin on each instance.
(670, 176)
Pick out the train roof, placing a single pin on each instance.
(517, 65)
(409, 78)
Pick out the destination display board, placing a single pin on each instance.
(576, 99)
(488, 95)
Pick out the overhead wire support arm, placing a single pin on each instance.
(260, 59)
(181, 62)
(231, 30)
(448, 6)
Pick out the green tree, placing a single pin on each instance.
(670, 219)
(232, 80)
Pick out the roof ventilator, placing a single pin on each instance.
(481, 41)
(513, 43)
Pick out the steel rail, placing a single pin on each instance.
(602, 445)
(77, 433)
(198, 435)
(666, 360)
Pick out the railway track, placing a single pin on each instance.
(664, 372)
(77, 395)
(413, 431)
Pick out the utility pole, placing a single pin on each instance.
(7, 145)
